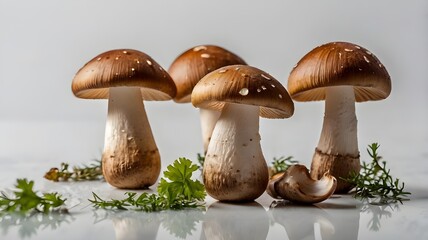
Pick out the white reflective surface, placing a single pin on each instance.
(341, 217)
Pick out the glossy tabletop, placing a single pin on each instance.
(340, 217)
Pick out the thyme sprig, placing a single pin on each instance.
(89, 172)
(201, 159)
(281, 164)
(375, 183)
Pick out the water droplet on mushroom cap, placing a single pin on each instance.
(198, 48)
(265, 77)
(244, 92)
(367, 60)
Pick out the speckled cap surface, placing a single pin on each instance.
(339, 64)
(243, 84)
(123, 68)
(192, 65)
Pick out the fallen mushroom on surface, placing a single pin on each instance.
(235, 168)
(126, 77)
(340, 73)
(192, 65)
(296, 185)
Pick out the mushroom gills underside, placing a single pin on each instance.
(296, 185)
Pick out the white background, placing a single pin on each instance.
(44, 43)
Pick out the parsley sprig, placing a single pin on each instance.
(25, 199)
(176, 191)
(89, 172)
(374, 182)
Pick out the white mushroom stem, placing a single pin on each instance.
(234, 168)
(339, 131)
(130, 157)
(337, 152)
(208, 120)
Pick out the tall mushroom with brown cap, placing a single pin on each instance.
(188, 68)
(340, 73)
(126, 77)
(234, 168)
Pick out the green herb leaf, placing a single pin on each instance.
(201, 160)
(25, 199)
(176, 191)
(179, 173)
(89, 172)
(374, 182)
(281, 164)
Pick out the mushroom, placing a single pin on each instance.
(296, 185)
(126, 77)
(186, 71)
(235, 168)
(340, 73)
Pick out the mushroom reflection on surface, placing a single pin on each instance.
(229, 221)
(136, 225)
(340, 73)
(300, 221)
(126, 77)
(235, 168)
(190, 67)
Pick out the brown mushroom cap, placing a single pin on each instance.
(339, 64)
(244, 85)
(123, 68)
(192, 65)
